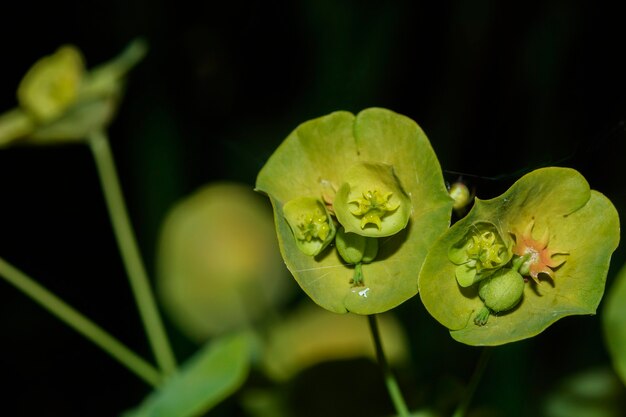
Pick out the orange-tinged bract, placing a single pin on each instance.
(540, 260)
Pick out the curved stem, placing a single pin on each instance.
(461, 410)
(390, 381)
(80, 323)
(137, 276)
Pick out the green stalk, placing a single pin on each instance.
(80, 323)
(137, 276)
(390, 381)
(461, 410)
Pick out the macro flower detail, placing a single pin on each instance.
(311, 224)
(479, 254)
(371, 201)
(372, 207)
(540, 257)
(387, 207)
(568, 232)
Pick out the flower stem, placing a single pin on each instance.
(390, 380)
(80, 323)
(137, 276)
(461, 410)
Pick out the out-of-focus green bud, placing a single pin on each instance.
(219, 267)
(52, 84)
(461, 195)
(310, 223)
(60, 102)
(371, 201)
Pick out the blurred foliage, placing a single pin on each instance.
(614, 321)
(223, 84)
(589, 393)
(219, 268)
(210, 376)
(311, 335)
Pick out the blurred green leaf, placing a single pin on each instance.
(579, 221)
(210, 376)
(313, 161)
(614, 321)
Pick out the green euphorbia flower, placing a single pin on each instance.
(569, 234)
(378, 176)
(310, 223)
(480, 253)
(371, 201)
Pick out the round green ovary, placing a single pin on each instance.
(355, 248)
(502, 291)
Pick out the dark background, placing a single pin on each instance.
(499, 88)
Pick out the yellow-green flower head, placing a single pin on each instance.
(376, 176)
(479, 253)
(554, 236)
(311, 224)
(60, 102)
(52, 84)
(371, 201)
(372, 207)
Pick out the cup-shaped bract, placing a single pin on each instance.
(317, 159)
(310, 223)
(371, 201)
(572, 228)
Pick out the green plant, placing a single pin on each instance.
(362, 216)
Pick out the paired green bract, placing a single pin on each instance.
(376, 175)
(561, 235)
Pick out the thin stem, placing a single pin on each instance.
(130, 253)
(80, 323)
(390, 381)
(461, 410)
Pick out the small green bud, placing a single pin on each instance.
(461, 196)
(310, 223)
(502, 291)
(371, 201)
(51, 86)
(355, 248)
